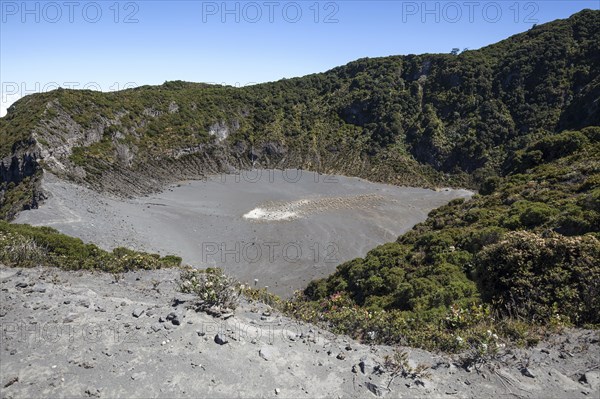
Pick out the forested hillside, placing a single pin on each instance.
(521, 255)
(427, 120)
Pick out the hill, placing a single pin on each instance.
(425, 120)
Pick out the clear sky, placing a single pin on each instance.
(108, 45)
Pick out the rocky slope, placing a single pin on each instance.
(77, 334)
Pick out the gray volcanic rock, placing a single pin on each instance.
(68, 350)
(221, 339)
(267, 353)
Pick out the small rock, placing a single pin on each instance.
(592, 378)
(11, 381)
(39, 288)
(21, 285)
(137, 376)
(171, 316)
(174, 318)
(366, 365)
(341, 356)
(221, 339)
(84, 303)
(375, 389)
(267, 353)
(183, 298)
(214, 311)
(137, 312)
(156, 327)
(71, 317)
(92, 392)
(277, 391)
(527, 373)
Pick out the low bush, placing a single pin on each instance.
(213, 287)
(519, 260)
(538, 277)
(28, 246)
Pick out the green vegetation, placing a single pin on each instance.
(515, 261)
(17, 197)
(212, 286)
(426, 120)
(27, 246)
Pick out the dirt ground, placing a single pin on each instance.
(82, 334)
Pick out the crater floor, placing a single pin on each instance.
(275, 228)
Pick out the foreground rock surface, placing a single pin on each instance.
(52, 346)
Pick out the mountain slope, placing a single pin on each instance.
(427, 120)
(521, 255)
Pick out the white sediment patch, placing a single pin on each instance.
(278, 212)
(297, 209)
(270, 215)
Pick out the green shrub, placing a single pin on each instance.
(27, 246)
(538, 277)
(528, 214)
(18, 250)
(212, 287)
(536, 214)
(560, 145)
(489, 185)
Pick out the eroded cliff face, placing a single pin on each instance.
(127, 168)
(21, 165)
(19, 179)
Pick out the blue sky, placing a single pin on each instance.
(108, 45)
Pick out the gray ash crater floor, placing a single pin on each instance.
(282, 228)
